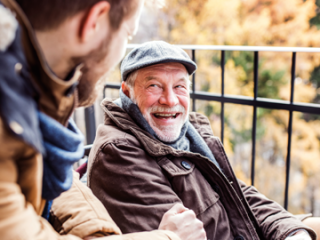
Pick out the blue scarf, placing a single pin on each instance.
(63, 147)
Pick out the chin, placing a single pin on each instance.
(89, 101)
(167, 138)
(89, 90)
(169, 133)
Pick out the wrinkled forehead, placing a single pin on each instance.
(171, 67)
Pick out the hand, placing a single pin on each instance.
(300, 235)
(94, 236)
(183, 222)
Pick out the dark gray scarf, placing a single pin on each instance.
(189, 139)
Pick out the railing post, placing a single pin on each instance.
(293, 76)
(254, 120)
(193, 83)
(90, 124)
(104, 91)
(222, 63)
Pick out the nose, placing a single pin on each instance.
(169, 98)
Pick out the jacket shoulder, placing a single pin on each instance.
(18, 104)
(198, 119)
(202, 124)
(109, 134)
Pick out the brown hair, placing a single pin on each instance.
(49, 14)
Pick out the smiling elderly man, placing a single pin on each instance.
(152, 153)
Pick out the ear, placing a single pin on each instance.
(91, 23)
(125, 89)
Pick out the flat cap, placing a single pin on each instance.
(155, 52)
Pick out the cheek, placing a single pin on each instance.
(145, 101)
(185, 102)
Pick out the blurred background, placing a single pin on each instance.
(294, 23)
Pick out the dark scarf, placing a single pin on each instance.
(189, 139)
(63, 147)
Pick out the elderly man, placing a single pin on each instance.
(52, 54)
(152, 153)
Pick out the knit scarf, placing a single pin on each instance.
(63, 147)
(189, 139)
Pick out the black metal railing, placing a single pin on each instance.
(223, 98)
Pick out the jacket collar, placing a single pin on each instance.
(58, 97)
(154, 147)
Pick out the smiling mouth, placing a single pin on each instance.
(166, 115)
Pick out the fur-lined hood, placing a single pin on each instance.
(8, 28)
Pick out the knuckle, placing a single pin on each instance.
(192, 213)
(166, 215)
(179, 205)
(203, 234)
(199, 224)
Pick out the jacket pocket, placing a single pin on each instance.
(189, 184)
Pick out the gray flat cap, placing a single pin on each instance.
(155, 52)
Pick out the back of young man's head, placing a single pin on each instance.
(47, 15)
(90, 33)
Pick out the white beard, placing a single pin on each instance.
(167, 133)
(164, 133)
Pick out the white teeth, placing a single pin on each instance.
(165, 115)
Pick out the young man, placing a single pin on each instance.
(152, 153)
(52, 54)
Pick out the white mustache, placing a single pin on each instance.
(177, 108)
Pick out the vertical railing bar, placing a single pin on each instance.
(104, 92)
(293, 76)
(90, 122)
(255, 75)
(293, 73)
(286, 191)
(254, 118)
(222, 63)
(193, 83)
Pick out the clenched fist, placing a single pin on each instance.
(183, 222)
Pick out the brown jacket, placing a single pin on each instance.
(76, 213)
(138, 178)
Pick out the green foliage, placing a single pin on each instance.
(205, 87)
(315, 21)
(269, 83)
(245, 61)
(208, 110)
(315, 80)
(315, 77)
